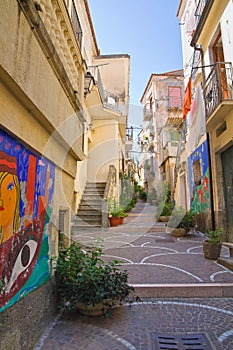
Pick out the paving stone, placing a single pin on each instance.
(176, 266)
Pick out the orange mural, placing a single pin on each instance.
(9, 197)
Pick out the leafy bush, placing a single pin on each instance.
(83, 277)
(214, 236)
(182, 219)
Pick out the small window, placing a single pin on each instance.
(174, 95)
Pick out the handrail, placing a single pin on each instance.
(109, 192)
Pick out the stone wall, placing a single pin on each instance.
(22, 324)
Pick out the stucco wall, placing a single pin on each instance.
(37, 120)
(103, 151)
(22, 58)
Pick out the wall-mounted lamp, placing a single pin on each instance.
(89, 81)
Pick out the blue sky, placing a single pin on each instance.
(147, 30)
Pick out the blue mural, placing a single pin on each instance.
(26, 197)
(199, 190)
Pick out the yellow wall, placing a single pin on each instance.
(103, 150)
(35, 107)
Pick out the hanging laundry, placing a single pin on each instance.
(187, 98)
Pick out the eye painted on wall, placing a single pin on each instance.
(10, 186)
(23, 257)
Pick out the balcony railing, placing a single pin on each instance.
(76, 24)
(109, 99)
(218, 86)
(199, 10)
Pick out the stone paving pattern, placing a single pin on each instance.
(152, 256)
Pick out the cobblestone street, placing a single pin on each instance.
(182, 294)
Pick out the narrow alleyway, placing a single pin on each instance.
(184, 297)
(158, 263)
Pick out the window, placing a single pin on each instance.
(174, 97)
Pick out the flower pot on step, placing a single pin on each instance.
(211, 251)
(121, 220)
(114, 220)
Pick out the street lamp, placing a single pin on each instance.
(89, 81)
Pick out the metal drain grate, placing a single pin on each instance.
(181, 342)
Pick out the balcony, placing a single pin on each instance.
(103, 104)
(218, 93)
(201, 14)
(76, 24)
(199, 10)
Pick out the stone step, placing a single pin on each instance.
(88, 197)
(87, 219)
(185, 290)
(98, 185)
(76, 229)
(93, 191)
(86, 207)
(91, 206)
(89, 212)
(78, 225)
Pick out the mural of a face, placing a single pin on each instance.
(9, 197)
(26, 203)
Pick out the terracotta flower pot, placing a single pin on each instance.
(114, 220)
(121, 220)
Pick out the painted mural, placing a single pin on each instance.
(199, 180)
(26, 196)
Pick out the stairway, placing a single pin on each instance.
(89, 215)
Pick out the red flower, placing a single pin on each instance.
(200, 195)
(205, 183)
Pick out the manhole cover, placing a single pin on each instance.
(181, 342)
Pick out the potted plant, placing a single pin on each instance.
(165, 212)
(122, 215)
(87, 283)
(114, 212)
(166, 204)
(212, 243)
(181, 222)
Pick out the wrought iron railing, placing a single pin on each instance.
(218, 86)
(109, 193)
(199, 10)
(76, 24)
(109, 100)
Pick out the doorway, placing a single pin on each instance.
(227, 166)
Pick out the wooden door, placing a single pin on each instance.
(218, 56)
